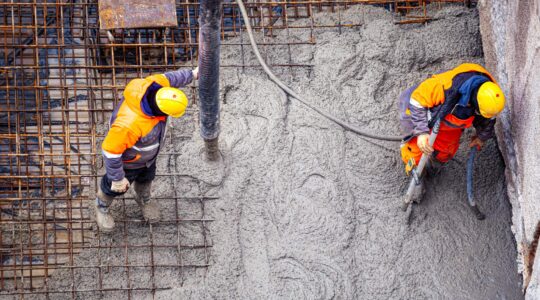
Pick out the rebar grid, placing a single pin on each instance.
(60, 78)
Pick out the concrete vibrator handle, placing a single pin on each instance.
(417, 172)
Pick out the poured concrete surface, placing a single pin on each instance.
(310, 211)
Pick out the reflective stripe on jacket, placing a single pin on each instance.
(134, 138)
(417, 105)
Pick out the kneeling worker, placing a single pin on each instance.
(463, 97)
(136, 134)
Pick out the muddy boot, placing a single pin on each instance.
(150, 209)
(104, 220)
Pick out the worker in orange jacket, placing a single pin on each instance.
(136, 134)
(463, 97)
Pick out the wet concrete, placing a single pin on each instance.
(309, 211)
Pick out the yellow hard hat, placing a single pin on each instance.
(490, 99)
(171, 101)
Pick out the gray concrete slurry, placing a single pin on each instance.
(310, 211)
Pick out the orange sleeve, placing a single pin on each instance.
(429, 93)
(119, 139)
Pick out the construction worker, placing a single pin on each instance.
(463, 97)
(136, 134)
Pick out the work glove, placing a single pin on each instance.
(120, 186)
(476, 142)
(195, 73)
(423, 144)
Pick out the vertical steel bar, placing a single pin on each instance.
(176, 207)
(152, 261)
(126, 249)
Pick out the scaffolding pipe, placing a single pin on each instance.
(209, 46)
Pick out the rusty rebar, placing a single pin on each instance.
(60, 78)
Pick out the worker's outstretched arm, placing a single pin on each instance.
(180, 78)
(118, 139)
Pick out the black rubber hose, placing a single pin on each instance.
(293, 94)
(470, 168)
(470, 193)
(209, 46)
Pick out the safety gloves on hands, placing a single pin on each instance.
(423, 144)
(476, 142)
(196, 73)
(120, 186)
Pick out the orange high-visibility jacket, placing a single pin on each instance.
(430, 94)
(134, 138)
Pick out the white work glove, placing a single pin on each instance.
(423, 144)
(120, 186)
(195, 73)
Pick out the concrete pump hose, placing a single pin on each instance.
(293, 94)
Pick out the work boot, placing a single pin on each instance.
(104, 220)
(149, 207)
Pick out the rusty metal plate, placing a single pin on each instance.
(137, 13)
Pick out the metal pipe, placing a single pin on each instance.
(417, 172)
(209, 46)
